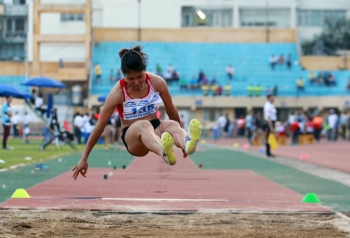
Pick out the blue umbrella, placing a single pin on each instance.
(102, 98)
(9, 90)
(43, 82)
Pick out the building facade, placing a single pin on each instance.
(13, 29)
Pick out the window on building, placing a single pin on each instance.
(211, 17)
(263, 17)
(64, 17)
(72, 17)
(80, 17)
(21, 2)
(317, 18)
(19, 25)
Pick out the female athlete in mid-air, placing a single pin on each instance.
(137, 98)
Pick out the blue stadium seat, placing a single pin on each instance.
(250, 60)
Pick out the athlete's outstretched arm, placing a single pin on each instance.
(114, 98)
(160, 86)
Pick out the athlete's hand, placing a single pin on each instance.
(184, 152)
(81, 167)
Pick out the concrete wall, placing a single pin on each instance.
(195, 35)
(324, 62)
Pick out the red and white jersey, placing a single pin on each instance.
(135, 108)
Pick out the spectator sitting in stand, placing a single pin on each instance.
(175, 76)
(118, 76)
(268, 90)
(39, 102)
(219, 90)
(289, 61)
(213, 89)
(193, 83)
(281, 59)
(98, 73)
(227, 89)
(273, 61)
(159, 70)
(331, 80)
(168, 77)
(213, 81)
(258, 90)
(300, 84)
(230, 71)
(205, 81)
(250, 90)
(311, 77)
(111, 77)
(183, 83)
(205, 89)
(201, 77)
(275, 90)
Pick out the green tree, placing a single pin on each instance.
(335, 36)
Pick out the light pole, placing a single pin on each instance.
(267, 22)
(139, 27)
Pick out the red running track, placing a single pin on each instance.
(149, 184)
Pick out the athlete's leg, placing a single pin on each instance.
(140, 138)
(184, 140)
(175, 131)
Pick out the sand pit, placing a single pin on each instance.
(108, 224)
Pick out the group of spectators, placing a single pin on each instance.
(280, 61)
(252, 125)
(114, 77)
(257, 90)
(322, 78)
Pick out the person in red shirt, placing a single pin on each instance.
(219, 90)
(318, 126)
(295, 129)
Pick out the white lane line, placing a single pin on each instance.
(165, 199)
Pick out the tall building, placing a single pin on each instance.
(13, 29)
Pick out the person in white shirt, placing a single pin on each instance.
(270, 117)
(78, 125)
(273, 61)
(344, 123)
(222, 120)
(15, 124)
(39, 102)
(291, 118)
(26, 129)
(332, 123)
(230, 71)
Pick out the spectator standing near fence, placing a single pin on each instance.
(270, 117)
(78, 126)
(344, 123)
(15, 124)
(332, 123)
(26, 128)
(227, 89)
(6, 114)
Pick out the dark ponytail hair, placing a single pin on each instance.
(133, 59)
